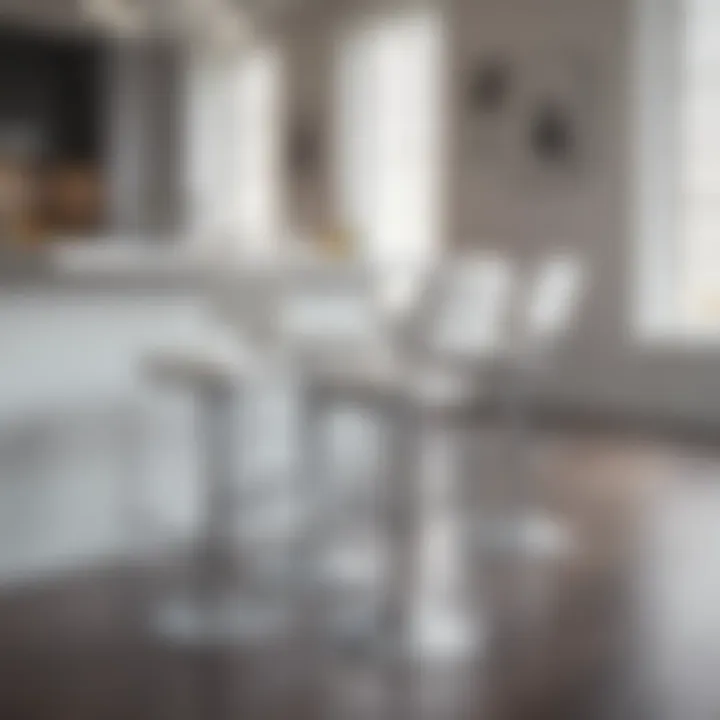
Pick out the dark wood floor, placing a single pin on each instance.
(596, 632)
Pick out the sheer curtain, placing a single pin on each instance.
(234, 169)
(678, 141)
(257, 161)
(389, 100)
(699, 216)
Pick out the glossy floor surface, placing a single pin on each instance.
(585, 566)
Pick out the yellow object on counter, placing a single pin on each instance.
(337, 242)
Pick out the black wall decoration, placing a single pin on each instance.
(489, 94)
(552, 136)
(490, 86)
(557, 118)
(531, 116)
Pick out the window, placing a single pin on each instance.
(235, 132)
(679, 138)
(700, 170)
(257, 161)
(388, 135)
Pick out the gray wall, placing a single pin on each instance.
(145, 120)
(588, 215)
(604, 364)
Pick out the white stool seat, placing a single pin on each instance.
(445, 391)
(377, 377)
(199, 366)
(371, 375)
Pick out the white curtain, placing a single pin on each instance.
(257, 160)
(234, 143)
(700, 166)
(389, 100)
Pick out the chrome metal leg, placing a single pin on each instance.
(537, 532)
(309, 488)
(219, 436)
(221, 606)
(306, 588)
(402, 513)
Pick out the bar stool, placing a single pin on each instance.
(457, 344)
(423, 376)
(287, 315)
(544, 319)
(218, 372)
(326, 321)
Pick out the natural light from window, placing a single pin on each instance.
(679, 140)
(699, 216)
(388, 108)
(235, 147)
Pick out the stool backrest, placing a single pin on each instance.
(244, 295)
(555, 295)
(466, 309)
(327, 308)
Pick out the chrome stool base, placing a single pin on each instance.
(220, 620)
